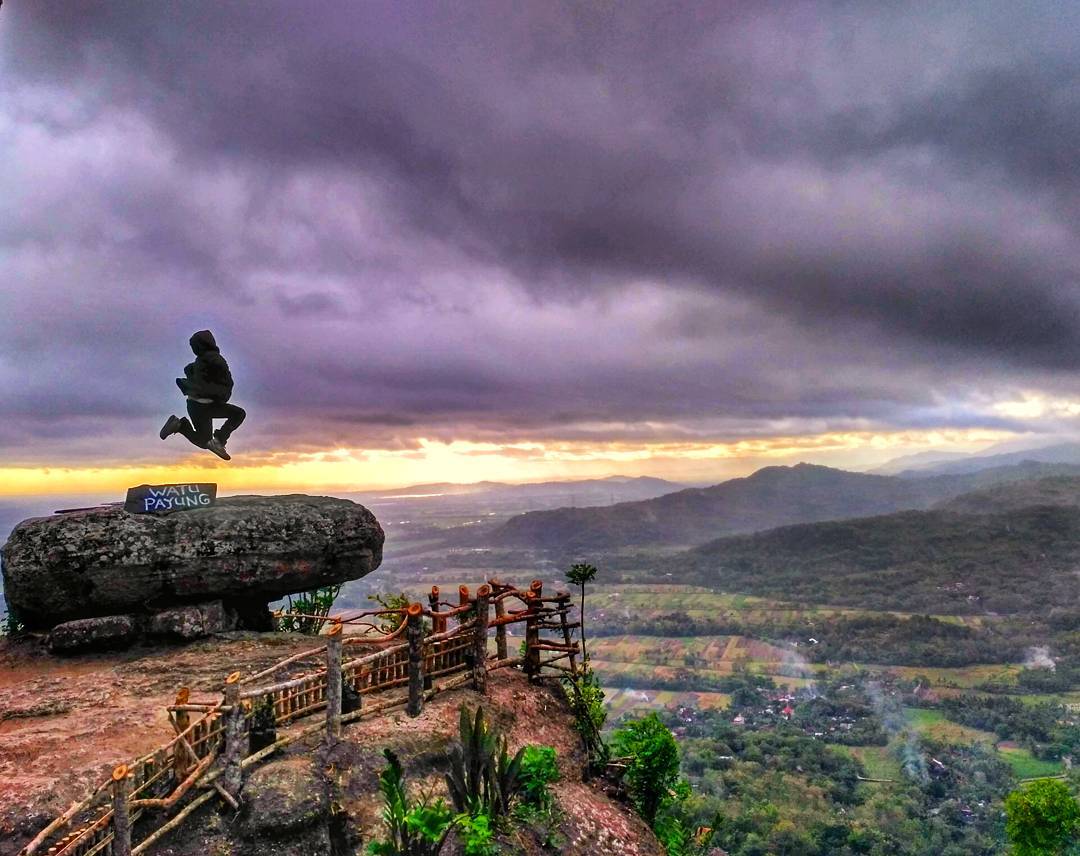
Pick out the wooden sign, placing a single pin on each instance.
(150, 498)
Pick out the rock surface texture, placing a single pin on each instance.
(245, 551)
(283, 798)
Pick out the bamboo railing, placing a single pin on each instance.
(210, 749)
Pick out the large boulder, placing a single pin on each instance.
(284, 797)
(245, 551)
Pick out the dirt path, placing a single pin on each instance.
(66, 722)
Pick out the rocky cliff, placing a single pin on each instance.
(229, 560)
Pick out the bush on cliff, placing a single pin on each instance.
(417, 828)
(309, 610)
(651, 755)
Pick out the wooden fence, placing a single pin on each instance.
(413, 646)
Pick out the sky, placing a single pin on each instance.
(463, 241)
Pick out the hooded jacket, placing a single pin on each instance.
(208, 376)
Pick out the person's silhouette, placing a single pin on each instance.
(207, 384)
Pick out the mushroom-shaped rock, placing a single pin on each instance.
(245, 551)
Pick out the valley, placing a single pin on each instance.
(926, 658)
(918, 649)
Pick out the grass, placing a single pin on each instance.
(1027, 766)
(1024, 765)
(963, 677)
(879, 761)
(933, 724)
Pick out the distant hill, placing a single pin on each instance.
(1021, 561)
(581, 492)
(773, 496)
(770, 497)
(916, 461)
(1011, 496)
(1061, 453)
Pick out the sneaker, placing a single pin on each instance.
(171, 426)
(214, 445)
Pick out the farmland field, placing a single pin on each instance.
(651, 601)
(879, 761)
(933, 724)
(708, 657)
(633, 702)
(1027, 766)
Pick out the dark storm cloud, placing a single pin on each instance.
(829, 214)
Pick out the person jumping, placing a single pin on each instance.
(207, 384)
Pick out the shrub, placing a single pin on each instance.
(389, 623)
(416, 828)
(586, 700)
(477, 835)
(652, 758)
(539, 768)
(315, 604)
(1043, 819)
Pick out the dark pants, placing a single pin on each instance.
(201, 427)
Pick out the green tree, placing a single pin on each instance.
(652, 758)
(1043, 819)
(579, 574)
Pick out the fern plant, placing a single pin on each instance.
(416, 829)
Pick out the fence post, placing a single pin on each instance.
(463, 600)
(500, 612)
(564, 606)
(532, 635)
(438, 625)
(182, 721)
(121, 820)
(232, 775)
(414, 632)
(333, 682)
(480, 634)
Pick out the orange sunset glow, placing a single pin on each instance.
(463, 461)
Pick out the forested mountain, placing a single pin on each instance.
(1022, 561)
(1010, 496)
(771, 497)
(1061, 453)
